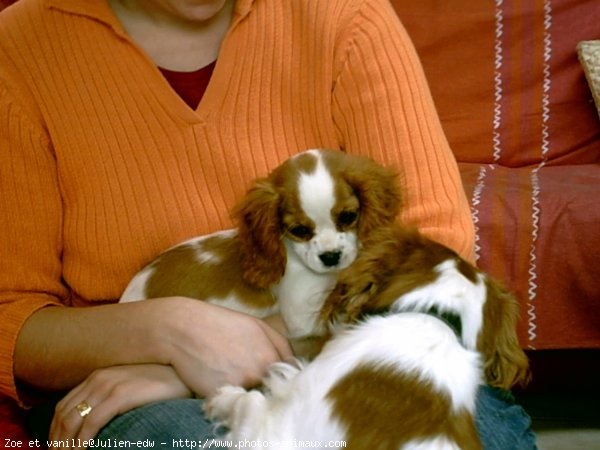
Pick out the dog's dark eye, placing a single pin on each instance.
(301, 232)
(347, 218)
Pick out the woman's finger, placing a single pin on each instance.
(108, 392)
(71, 412)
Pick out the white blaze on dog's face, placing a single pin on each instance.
(321, 222)
(310, 213)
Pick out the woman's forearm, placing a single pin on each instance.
(59, 347)
(207, 345)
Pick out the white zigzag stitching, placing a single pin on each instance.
(546, 82)
(497, 146)
(532, 291)
(475, 202)
(535, 181)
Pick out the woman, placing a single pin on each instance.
(115, 146)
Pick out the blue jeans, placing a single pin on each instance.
(502, 424)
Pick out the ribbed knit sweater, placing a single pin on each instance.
(103, 166)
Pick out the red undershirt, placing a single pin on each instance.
(190, 86)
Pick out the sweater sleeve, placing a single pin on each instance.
(382, 105)
(30, 229)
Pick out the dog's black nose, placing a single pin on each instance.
(330, 259)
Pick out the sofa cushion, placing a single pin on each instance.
(506, 79)
(537, 230)
(11, 424)
(589, 56)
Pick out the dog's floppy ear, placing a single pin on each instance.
(378, 192)
(262, 251)
(505, 362)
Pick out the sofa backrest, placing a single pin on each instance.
(506, 79)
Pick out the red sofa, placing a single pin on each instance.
(520, 118)
(518, 113)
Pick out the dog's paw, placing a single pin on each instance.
(334, 305)
(220, 407)
(349, 299)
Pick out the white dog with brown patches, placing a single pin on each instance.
(421, 330)
(296, 229)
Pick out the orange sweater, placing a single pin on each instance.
(102, 165)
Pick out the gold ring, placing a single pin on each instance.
(83, 408)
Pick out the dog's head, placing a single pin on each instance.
(318, 205)
(402, 270)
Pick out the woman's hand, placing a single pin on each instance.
(210, 346)
(58, 347)
(175, 347)
(113, 391)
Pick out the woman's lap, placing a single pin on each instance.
(168, 424)
(502, 424)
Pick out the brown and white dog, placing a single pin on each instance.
(296, 229)
(418, 331)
